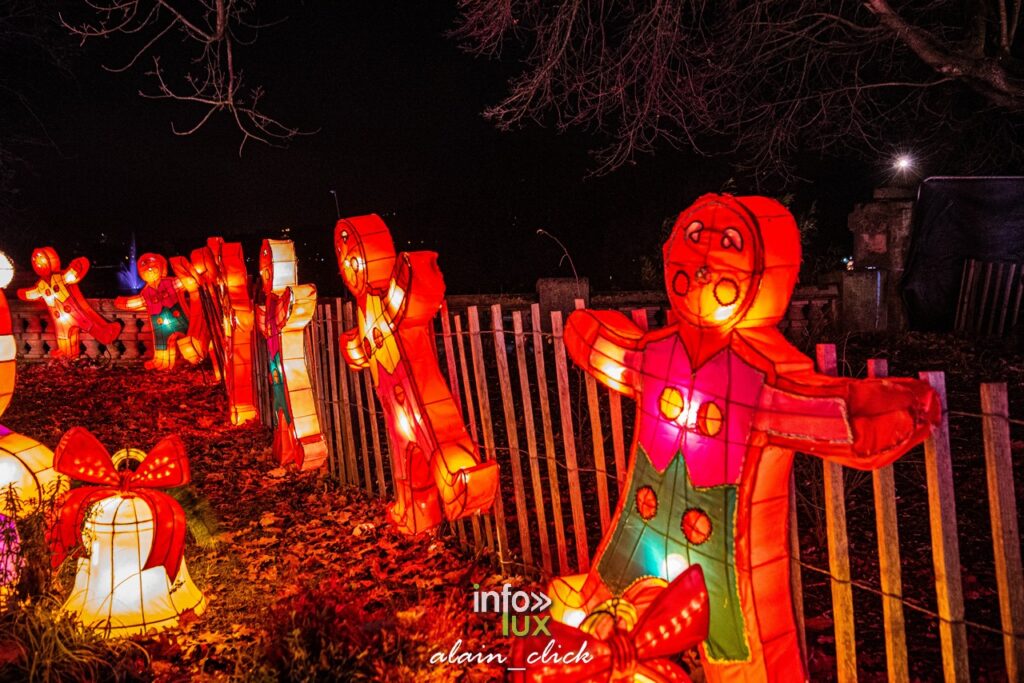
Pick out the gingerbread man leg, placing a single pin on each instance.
(67, 342)
(416, 506)
(465, 485)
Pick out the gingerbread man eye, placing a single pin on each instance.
(693, 231)
(731, 238)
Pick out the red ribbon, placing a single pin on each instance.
(81, 456)
(675, 621)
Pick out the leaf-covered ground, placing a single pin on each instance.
(304, 581)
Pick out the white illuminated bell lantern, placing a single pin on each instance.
(132, 578)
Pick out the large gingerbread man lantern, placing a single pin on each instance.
(58, 289)
(722, 402)
(288, 309)
(435, 465)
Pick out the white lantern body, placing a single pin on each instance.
(113, 593)
(27, 476)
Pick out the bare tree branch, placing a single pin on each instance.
(204, 73)
(760, 81)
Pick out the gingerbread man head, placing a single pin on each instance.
(366, 254)
(45, 262)
(278, 268)
(718, 270)
(152, 268)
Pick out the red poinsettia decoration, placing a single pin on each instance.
(82, 457)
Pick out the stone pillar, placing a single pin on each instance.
(881, 236)
(560, 294)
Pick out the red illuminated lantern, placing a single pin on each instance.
(70, 312)
(435, 465)
(632, 639)
(287, 310)
(163, 299)
(220, 270)
(722, 402)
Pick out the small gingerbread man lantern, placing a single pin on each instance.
(435, 465)
(723, 400)
(58, 289)
(163, 299)
(283, 317)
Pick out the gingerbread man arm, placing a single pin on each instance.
(865, 423)
(416, 290)
(76, 270)
(352, 348)
(187, 276)
(30, 293)
(130, 303)
(607, 345)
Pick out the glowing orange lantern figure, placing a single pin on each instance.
(132, 578)
(220, 268)
(288, 308)
(163, 299)
(195, 345)
(722, 401)
(58, 289)
(435, 464)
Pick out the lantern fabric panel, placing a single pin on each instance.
(129, 537)
(282, 320)
(69, 310)
(722, 400)
(436, 467)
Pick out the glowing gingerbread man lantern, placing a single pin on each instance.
(288, 309)
(435, 466)
(220, 269)
(163, 299)
(58, 289)
(722, 402)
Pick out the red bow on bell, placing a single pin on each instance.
(675, 621)
(81, 456)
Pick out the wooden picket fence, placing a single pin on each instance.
(561, 440)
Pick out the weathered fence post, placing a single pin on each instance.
(511, 429)
(549, 441)
(945, 546)
(1003, 509)
(531, 442)
(838, 548)
(597, 436)
(579, 522)
(486, 425)
(889, 558)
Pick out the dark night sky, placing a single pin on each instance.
(401, 134)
